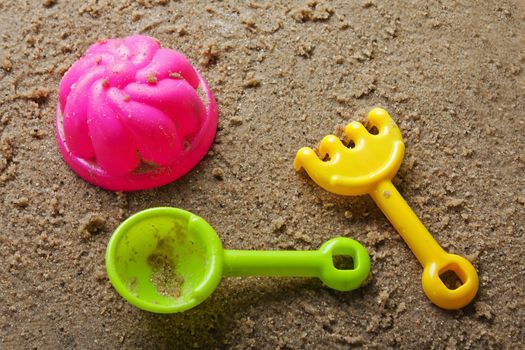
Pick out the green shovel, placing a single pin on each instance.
(169, 260)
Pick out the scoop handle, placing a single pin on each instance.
(317, 263)
(432, 257)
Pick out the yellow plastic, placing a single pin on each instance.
(367, 168)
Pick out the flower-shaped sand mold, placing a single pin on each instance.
(130, 116)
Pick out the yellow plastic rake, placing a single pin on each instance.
(368, 168)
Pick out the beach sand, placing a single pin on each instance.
(284, 74)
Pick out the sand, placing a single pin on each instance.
(285, 74)
(163, 264)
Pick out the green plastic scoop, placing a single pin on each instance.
(169, 260)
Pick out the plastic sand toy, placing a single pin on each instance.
(169, 260)
(367, 167)
(130, 116)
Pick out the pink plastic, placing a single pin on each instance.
(130, 117)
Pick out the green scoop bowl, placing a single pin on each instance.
(168, 260)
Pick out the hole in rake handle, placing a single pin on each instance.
(451, 279)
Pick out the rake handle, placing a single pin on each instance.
(434, 259)
(406, 222)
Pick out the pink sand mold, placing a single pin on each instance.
(130, 117)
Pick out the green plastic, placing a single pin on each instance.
(200, 261)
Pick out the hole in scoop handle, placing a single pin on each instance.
(344, 280)
(439, 293)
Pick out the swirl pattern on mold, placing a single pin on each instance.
(128, 103)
